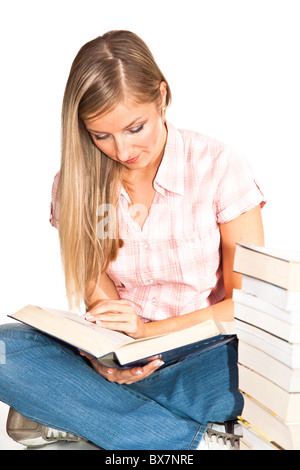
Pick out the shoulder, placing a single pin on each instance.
(206, 153)
(202, 145)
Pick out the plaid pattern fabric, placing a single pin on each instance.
(172, 265)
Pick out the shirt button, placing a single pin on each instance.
(153, 300)
(151, 281)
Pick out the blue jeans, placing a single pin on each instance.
(50, 383)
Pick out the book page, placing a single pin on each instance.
(115, 337)
(284, 254)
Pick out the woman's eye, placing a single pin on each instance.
(132, 131)
(100, 137)
(138, 129)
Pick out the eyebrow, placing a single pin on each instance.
(129, 125)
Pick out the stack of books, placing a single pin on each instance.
(267, 320)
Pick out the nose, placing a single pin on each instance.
(122, 150)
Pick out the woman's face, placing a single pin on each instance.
(134, 135)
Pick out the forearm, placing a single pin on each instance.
(222, 311)
(104, 289)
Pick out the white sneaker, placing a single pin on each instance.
(32, 434)
(221, 436)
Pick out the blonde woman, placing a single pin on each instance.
(148, 217)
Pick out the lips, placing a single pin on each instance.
(132, 160)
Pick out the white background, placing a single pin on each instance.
(233, 67)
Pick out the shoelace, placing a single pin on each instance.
(56, 435)
(221, 441)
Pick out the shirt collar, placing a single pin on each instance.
(170, 174)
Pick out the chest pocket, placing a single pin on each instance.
(191, 260)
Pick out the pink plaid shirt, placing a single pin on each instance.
(172, 265)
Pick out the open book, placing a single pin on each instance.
(115, 349)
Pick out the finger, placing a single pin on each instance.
(129, 375)
(127, 328)
(141, 373)
(153, 365)
(115, 317)
(83, 353)
(110, 316)
(119, 376)
(114, 323)
(109, 374)
(110, 306)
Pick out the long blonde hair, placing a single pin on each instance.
(105, 70)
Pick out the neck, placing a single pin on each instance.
(148, 173)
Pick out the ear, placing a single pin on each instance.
(163, 92)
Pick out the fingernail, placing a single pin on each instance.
(139, 372)
(109, 371)
(158, 363)
(88, 316)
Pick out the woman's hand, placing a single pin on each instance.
(118, 315)
(126, 375)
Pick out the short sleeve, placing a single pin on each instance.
(237, 190)
(54, 206)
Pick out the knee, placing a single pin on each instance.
(13, 338)
(14, 330)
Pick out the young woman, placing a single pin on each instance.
(148, 218)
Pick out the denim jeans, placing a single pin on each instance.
(49, 382)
